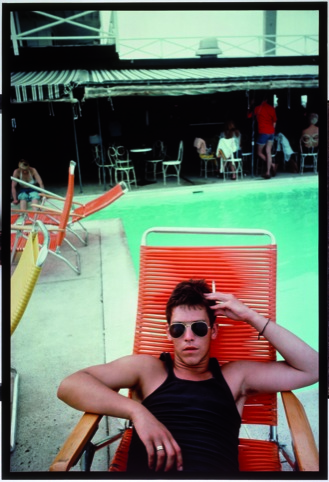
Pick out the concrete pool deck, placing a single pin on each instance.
(75, 321)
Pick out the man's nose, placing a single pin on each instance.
(188, 335)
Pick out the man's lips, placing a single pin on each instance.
(190, 348)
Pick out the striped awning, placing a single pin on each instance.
(57, 85)
(151, 82)
(60, 85)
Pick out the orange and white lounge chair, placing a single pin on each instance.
(51, 209)
(242, 262)
(57, 233)
(82, 211)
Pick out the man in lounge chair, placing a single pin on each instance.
(186, 413)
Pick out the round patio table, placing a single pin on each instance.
(145, 149)
(140, 165)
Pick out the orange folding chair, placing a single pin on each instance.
(51, 209)
(57, 233)
(84, 210)
(242, 267)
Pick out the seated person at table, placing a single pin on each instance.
(204, 151)
(186, 412)
(23, 194)
(229, 143)
(312, 131)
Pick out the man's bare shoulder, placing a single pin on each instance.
(148, 366)
(135, 362)
(141, 359)
(141, 373)
(126, 372)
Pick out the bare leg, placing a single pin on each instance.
(233, 170)
(23, 205)
(35, 201)
(268, 157)
(260, 153)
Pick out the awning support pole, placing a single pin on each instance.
(76, 147)
(252, 143)
(100, 136)
(252, 133)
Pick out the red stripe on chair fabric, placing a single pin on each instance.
(254, 455)
(63, 220)
(120, 459)
(258, 455)
(99, 203)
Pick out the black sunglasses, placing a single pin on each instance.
(199, 328)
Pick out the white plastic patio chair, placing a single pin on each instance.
(97, 158)
(176, 164)
(159, 154)
(309, 149)
(123, 166)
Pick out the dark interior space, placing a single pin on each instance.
(43, 132)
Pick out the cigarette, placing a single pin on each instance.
(214, 291)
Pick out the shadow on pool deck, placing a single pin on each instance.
(72, 322)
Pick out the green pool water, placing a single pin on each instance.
(288, 210)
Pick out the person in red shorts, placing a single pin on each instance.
(266, 120)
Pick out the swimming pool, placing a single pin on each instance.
(289, 209)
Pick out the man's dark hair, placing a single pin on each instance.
(190, 293)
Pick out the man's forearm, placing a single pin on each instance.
(84, 392)
(295, 351)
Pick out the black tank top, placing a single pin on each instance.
(202, 417)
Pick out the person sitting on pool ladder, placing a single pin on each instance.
(22, 194)
(186, 413)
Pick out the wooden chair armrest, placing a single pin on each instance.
(75, 443)
(48, 210)
(52, 196)
(305, 449)
(21, 211)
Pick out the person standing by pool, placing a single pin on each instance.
(186, 411)
(23, 194)
(266, 119)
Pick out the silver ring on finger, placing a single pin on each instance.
(159, 447)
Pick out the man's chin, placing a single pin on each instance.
(191, 357)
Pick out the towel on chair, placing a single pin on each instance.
(200, 145)
(225, 150)
(284, 145)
